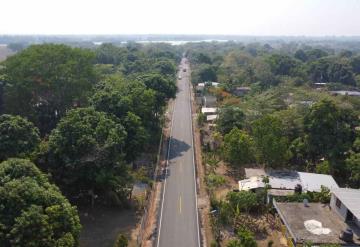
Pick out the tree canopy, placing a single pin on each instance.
(329, 130)
(18, 137)
(85, 154)
(272, 145)
(33, 212)
(43, 81)
(238, 147)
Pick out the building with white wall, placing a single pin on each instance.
(346, 203)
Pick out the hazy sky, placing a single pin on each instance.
(245, 17)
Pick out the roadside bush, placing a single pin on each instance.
(121, 241)
(201, 118)
(246, 238)
(214, 180)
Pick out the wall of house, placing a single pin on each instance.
(342, 211)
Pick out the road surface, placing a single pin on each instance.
(179, 216)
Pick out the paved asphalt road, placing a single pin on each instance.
(178, 217)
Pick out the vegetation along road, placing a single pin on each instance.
(179, 216)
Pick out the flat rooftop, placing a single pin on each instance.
(294, 216)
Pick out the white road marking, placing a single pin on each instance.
(167, 164)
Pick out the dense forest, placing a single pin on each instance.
(72, 123)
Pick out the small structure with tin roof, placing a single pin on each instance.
(208, 110)
(286, 180)
(346, 203)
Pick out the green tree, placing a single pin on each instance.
(121, 241)
(165, 88)
(330, 70)
(271, 144)
(243, 200)
(118, 96)
(301, 55)
(33, 212)
(206, 73)
(238, 147)
(44, 81)
(165, 67)
(324, 167)
(355, 63)
(136, 136)
(111, 54)
(353, 167)
(282, 64)
(18, 137)
(246, 238)
(134, 105)
(329, 130)
(234, 243)
(85, 155)
(230, 117)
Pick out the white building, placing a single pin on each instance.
(346, 203)
(208, 110)
(211, 118)
(287, 180)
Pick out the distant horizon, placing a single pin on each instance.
(176, 34)
(308, 18)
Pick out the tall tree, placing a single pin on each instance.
(230, 117)
(282, 64)
(330, 70)
(238, 147)
(18, 137)
(33, 212)
(164, 87)
(329, 130)
(44, 81)
(270, 141)
(85, 155)
(134, 105)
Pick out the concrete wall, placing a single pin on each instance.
(342, 211)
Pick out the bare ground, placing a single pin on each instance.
(102, 225)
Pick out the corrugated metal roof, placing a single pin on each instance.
(350, 198)
(287, 180)
(313, 181)
(211, 117)
(208, 110)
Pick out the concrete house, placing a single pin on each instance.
(346, 203)
(314, 223)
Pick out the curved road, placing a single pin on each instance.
(179, 216)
